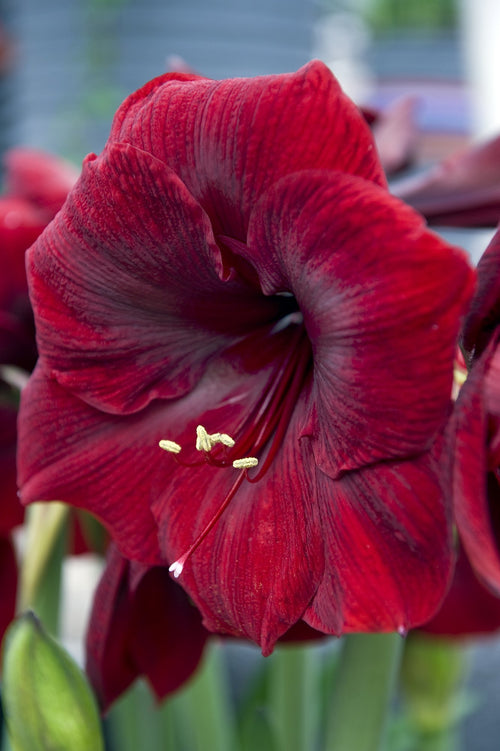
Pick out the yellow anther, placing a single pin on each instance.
(203, 442)
(223, 438)
(206, 441)
(170, 446)
(459, 375)
(246, 463)
(459, 378)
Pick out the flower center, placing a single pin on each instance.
(260, 437)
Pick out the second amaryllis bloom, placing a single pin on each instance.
(476, 423)
(232, 278)
(142, 624)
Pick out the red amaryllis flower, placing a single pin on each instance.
(41, 179)
(461, 191)
(477, 426)
(20, 225)
(36, 185)
(233, 269)
(142, 624)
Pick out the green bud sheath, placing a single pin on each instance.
(48, 703)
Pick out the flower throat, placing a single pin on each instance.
(261, 434)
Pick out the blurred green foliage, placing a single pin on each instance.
(389, 15)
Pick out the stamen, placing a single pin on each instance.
(170, 446)
(245, 463)
(262, 431)
(203, 442)
(223, 438)
(206, 441)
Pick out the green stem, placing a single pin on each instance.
(202, 711)
(41, 568)
(136, 721)
(293, 696)
(197, 718)
(364, 685)
(446, 740)
(432, 677)
(47, 600)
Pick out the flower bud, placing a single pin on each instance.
(48, 703)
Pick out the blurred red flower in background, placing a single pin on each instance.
(36, 185)
(461, 191)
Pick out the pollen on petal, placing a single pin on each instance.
(245, 463)
(176, 569)
(170, 446)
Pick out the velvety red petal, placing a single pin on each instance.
(168, 634)
(492, 402)
(468, 609)
(42, 179)
(231, 140)
(8, 583)
(141, 624)
(476, 486)
(130, 294)
(484, 314)
(258, 568)
(462, 191)
(11, 511)
(381, 298)
(91, 460)
(387, 536)
(107, 664)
